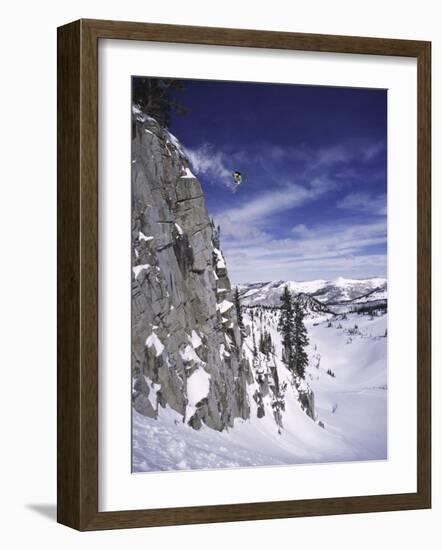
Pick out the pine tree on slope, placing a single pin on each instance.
(294, 334)
(286, 327)
(238, 310)
(301, 340)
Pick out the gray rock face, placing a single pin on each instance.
(307, 400)
(186, 344)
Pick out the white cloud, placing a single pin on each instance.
(321, 251)
(300, 229)
(332, 155)
(269, 203)
(364, 202)
(372, 150)
(355, 266)
(251, 218)
(208, 162)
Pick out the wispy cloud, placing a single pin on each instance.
(324, 239)
(328, 248)
(206, 161)
(253, 216)
(362, 151)
(372, 150)
(217, 165)
(342, 238)
(333, 155)
(301, 269)
(269, 203)
(364, 202)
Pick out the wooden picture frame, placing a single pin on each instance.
(78, 274)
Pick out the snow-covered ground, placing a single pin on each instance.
(352, 403)
(348, 374)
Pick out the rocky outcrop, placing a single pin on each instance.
(186, 344)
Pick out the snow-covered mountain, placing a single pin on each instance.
(336, 295)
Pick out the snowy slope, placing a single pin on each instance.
(351, 406)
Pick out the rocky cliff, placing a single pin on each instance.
(186, 344)
(188, 352)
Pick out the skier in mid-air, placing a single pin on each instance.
(237, 179)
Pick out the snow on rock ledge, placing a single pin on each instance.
(154, 341)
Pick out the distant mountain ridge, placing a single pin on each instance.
(334, 294)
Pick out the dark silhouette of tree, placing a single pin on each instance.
(255, 349)
(238, 310)
(286, 327)
(216, 232)
(265, 343)
(294, 334)
(301, 340)
(156, 97)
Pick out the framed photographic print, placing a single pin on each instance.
(243, 275)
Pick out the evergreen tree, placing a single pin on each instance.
(157, 97)
(294, 334)
(216, 232)
(300, 340)
(286, 327)
(265, 343)
(255, 349)
(238, 309)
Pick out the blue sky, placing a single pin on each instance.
(313, 200)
